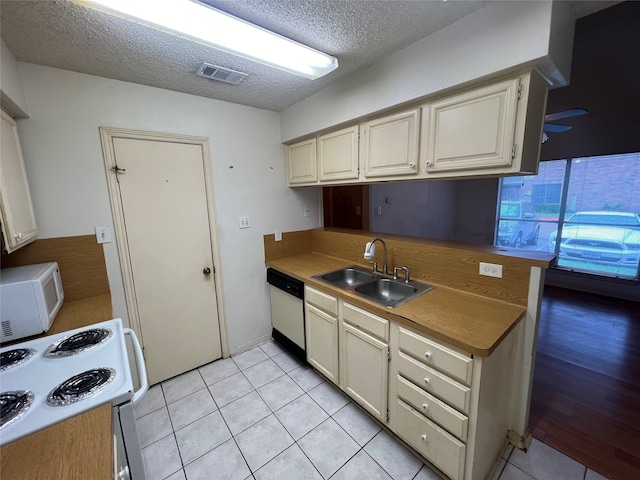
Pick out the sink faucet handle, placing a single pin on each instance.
(407, 272)
(395, 272)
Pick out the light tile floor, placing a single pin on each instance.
(263, 415)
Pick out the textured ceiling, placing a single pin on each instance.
(65, 35)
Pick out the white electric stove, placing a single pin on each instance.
(53, 378)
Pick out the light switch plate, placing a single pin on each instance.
(103, 234)
(278, 235)
(243, 222)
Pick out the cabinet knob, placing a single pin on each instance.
(429, 162)
(423, 437)
(425, 407)
(427, 355)
(206, 271)
(124, 474)
(411, 164)
(426, 381)
(18, 236)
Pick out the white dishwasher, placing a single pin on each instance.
(287, 311)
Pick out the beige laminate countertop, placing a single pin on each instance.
(78, 448)
(473, 323)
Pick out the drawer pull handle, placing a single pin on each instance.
(426, 381)
(425, 407)
(427, 355)
(423, 437)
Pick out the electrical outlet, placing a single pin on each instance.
(307, 211)
(491, 269)
(278, 235)
(103, 234)
(243, 222)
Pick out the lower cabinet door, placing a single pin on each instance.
(436, 445)
(322, 342)
(364, 370)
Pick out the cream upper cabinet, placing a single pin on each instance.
(474, 129)
(301, 163)
(16, 209)
(491, 130)
(338, 155)
(390, 145)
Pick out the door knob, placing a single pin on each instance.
(206, 271)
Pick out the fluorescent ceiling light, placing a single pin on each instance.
(211, 27)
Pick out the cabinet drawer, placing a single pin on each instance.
(439, 447)
(323, 301)
(436, 410)
(435, 355)
(376, 326)
(436, 383)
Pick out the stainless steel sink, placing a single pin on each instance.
(378, 288)
(391, 293)
(346, 277)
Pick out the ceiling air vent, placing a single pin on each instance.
(214, 72)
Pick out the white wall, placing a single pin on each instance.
(65, 167)
(10, 84)
(419, 209)
(500, 36)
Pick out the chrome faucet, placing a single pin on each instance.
(368, 255)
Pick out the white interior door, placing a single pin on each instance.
(166, 219)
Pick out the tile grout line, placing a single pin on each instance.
(272, 412)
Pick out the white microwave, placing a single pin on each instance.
(30, 298)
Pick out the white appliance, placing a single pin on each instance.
(53, 378)
(30, 298)
(287, 311)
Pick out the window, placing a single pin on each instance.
(591, 205)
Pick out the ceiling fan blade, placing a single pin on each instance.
(550, 127)
(573, 112)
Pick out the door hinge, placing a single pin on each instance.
(514, 150)
(387, 416)
(388, 355)
(520, 89)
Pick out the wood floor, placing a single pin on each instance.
(586, 388)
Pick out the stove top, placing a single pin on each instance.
(56, 377)
(14, 357)
(78, 342)
(13, 405)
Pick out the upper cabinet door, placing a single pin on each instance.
(474, 129)
(338, 155)
(301, 163)
(390, 145)
(16, 210)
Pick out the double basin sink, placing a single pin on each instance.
(376, 287)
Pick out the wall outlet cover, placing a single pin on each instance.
(491, 269)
